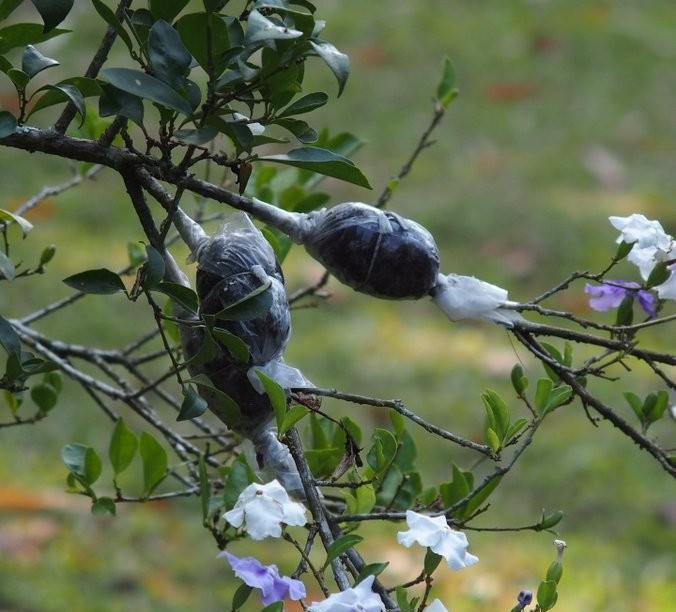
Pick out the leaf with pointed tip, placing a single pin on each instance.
(338, 62)
(6, 216)
(193, 405)
(145, 86)
(22, 34)
(7, 124)
(305, 104)
(122, 447)
(167, 9)
(261, 29)
(114, 101)
(53, 12)
(323, 162)
(300, 129)
(169, 58)
(72, 94)
(155, 462)
(446, 90)
(183, 296)
(7, 7)
(109, 17)
(98, 282)
(87, 87)
(199, 136)
(33, 62)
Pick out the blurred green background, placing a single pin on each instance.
(565, 116)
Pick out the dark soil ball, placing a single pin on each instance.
(375, 252)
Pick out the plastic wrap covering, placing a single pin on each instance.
(276, 458)
(234, 263)
(373, 251)
(284, 375)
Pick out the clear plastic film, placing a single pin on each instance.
(374, 251)
(277, 460)
(284, 375)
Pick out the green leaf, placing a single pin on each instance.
(625, 312)
(54, 380)
(88, 88)
(235, 345)
(305, 104)
(338, 62)
(493, 440)
(193, 29)
(169, 58)
(167, 9)
(656, 410)
(22, 34)
(293, 415)
(193, 405)
(431, 562)
(220, 403)
(542, 391)
(546, 595)
(155, 462)
(33, 62)
(261, 29)
(7, 267)
(623, 249)
(519, 380)
(383, 451)
(372, 569)
(341, 545)
(100, 282)
(323, 162)
(636, 404)
(278, 606)
(72, 94)
(6, 216)
(496, 406)
(154, 271)
(550, 520)
(300, 129)
(83, 461)
(252, 306)
(53, 12)
(473, 504)
(7, 7)
(44, 396)
(19, 78)
(197, 137)
(183, 296)
(122, 447)
(103, 506)
(109, 17)
(114, 101)
(276, 395)
(659, 275)
(554, 572)
(241, 595)
(446, 90)
(47, 255)
(455, 490)
(239, 477)
(514, 429)
(145, 86)
(557, 397)
(7, 124)
(9, 339)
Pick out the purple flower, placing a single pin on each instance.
(524, 598)
(610, 294)
(266, 578)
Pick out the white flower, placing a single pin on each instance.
(667, 290)
(434, 533)
(436, 606)
(263, 508)
(651, 242)
(466, 297)
(642, 231)
(360, 597)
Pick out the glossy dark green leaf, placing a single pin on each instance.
(623, 249)
(198, 136)
(305, 104)
(145, 86)
(660, 273)
(7, 124)
(276, 395)
(235, 345)
(205, 489)
(122, 447)
(323, 162)
(114, 101)
(300, 129)
(99, 282)
(44, 396)
(219, 402)
(261, 29)
(155, 462)
(169, 58)
(338, 62)
(341, 545)
(53, 12)
(241, 595)
(72, 94)
(446, 90)
(192, 406)
(167, 9)
(102, 506)
(625, 312)
(109, 17)
(431, 562)
(252, 306)
(238, 131)
(193, 29)
(154, 271)
(33, 62)
(87, 87)
(19, 78)
(7, 268)
(22, 34)
(183, 296)
(372, 569)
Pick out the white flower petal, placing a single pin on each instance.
(263, 518)
(637, 228)
(436, 606)
(433, 532)
(360, 598)
(235, 516)
(644, 258)
(667, 290)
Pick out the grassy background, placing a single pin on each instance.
(565, 117)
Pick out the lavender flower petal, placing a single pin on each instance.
(606, 296)
(648, 302)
